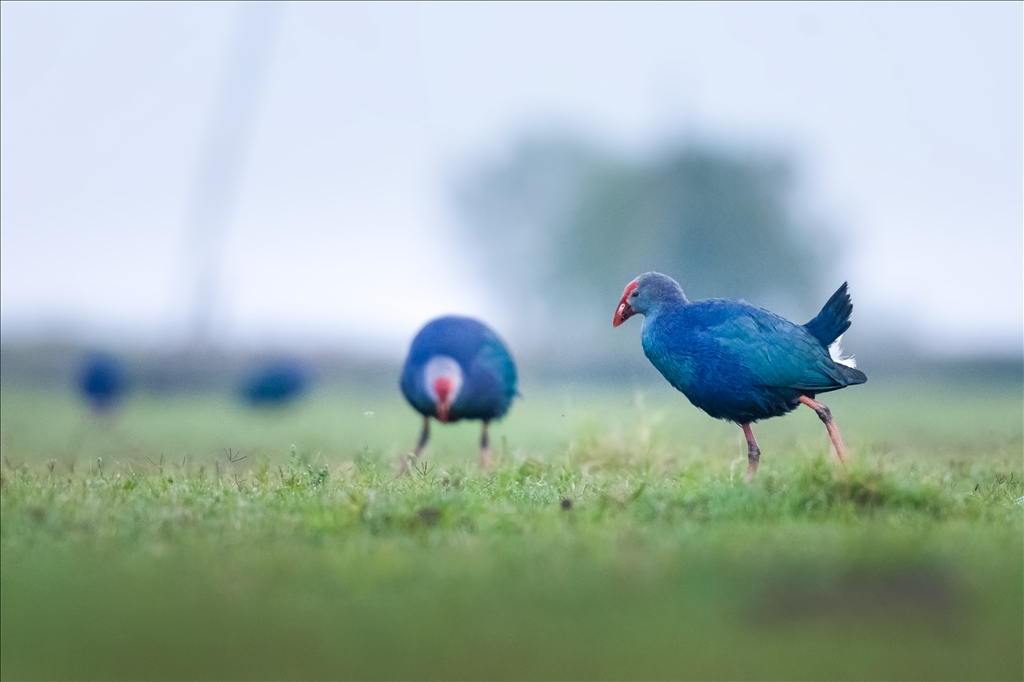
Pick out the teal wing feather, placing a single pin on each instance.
(779, 353)
(495, 356)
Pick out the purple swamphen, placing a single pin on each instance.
(101, 382)
(275, 383)
(458, 368)
(739, 362)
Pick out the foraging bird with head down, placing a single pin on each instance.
(739, 362)
(458, 368)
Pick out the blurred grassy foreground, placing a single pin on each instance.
(192, 539)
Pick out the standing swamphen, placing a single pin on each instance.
(275, 384)
(739, 362)
(458, 368)
(101, 382)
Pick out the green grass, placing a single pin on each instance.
(194, 539)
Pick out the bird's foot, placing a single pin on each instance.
(403, 464)
(748, 477)
(485, 458)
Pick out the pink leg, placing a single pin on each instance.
(485, 449)
(753, 453)
(833, 431)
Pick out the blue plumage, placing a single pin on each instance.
(275, 383)
(834, 318)
(739, 362)
(101, 381)
(458, 368)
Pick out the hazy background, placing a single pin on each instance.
(326, 178)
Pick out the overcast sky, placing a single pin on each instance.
(906, 119)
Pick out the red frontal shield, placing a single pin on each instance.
(443, 388)
(624, 311)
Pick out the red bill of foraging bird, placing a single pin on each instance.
(457, 368)
(742, 363)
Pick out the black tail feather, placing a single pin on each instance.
(834, 318)
(850, 375)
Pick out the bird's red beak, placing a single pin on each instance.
(624, 311)
(443, 388)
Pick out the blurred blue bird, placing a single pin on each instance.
(739, 362)
(275, 384)
(458, 368)
(101, 382)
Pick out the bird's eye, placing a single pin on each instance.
(634, 294)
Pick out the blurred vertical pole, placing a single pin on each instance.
(223, 155)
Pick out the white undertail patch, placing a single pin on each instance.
(835, 351)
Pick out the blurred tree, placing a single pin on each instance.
(563, 227)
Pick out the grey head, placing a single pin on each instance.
(645, 294)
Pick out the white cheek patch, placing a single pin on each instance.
(442, 366)
(835, 351)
